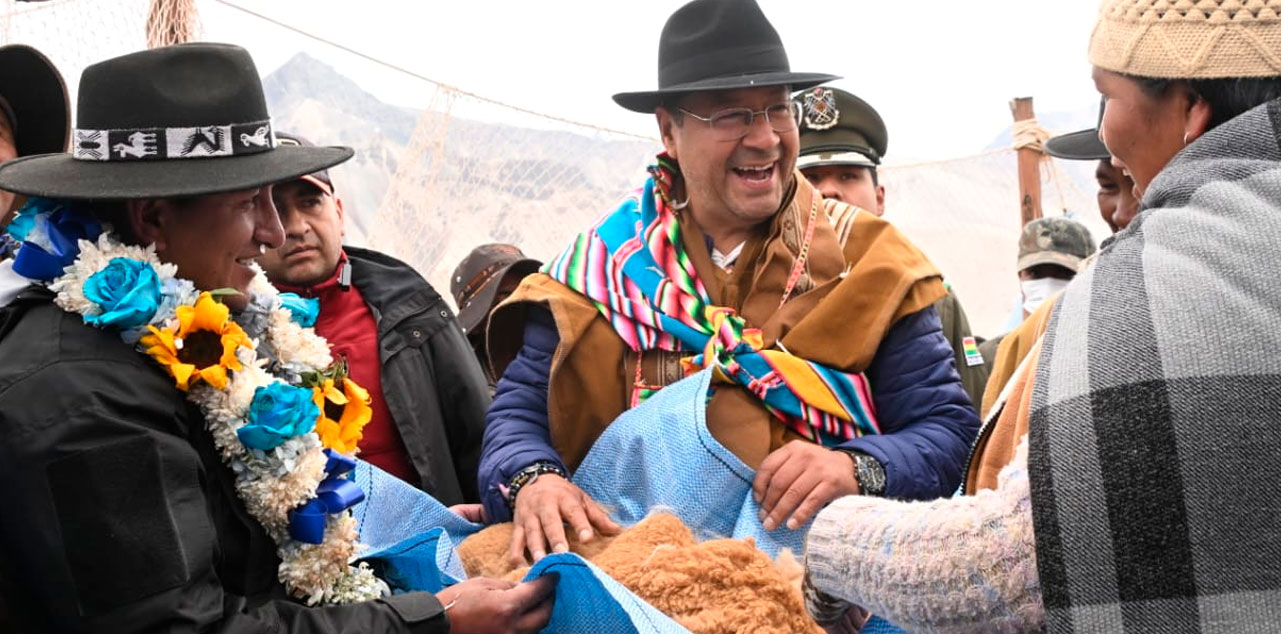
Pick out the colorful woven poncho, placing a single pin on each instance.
(633, 266)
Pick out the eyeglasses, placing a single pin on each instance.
(733, 124)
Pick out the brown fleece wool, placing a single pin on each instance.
(720, 586)
(485, 553)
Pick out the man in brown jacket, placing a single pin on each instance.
(816, 322)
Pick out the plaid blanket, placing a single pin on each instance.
(1156, 413)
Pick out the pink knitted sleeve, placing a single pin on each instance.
(964, 564)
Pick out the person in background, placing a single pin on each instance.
(843, 140)
(397, 335)
(1118, 204)
(33, 95)
(1051, 251)
(486, 277)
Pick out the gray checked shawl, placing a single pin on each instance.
(1155, 441)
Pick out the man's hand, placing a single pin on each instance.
(493, 606)
(474, 513)
(798, 480)
(543, 508)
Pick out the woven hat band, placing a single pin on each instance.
(144, 144)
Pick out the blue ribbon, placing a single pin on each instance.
(302, 310)
(334, 495)
(65, 226)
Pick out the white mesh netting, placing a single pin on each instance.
(432, 181)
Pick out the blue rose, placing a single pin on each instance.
(303, 311)
(127, 291)
(277, 413)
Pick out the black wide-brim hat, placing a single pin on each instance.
(1082, 145)
(36, 98)
(718, 45)
(178, 121)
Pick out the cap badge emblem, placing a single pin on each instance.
(820, 109)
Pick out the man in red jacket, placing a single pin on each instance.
(399, 338)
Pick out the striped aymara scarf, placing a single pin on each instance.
(633, 266)
(1155, 424)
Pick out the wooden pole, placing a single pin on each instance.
(1029, 166)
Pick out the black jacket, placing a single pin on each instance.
(118, 514)
(432, 383)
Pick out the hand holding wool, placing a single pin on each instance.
(542, 510)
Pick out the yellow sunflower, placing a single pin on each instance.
(343, 414)
(203, 348)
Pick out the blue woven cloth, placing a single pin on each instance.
(661, 455)
(880, 626)
(656, 456)
(413, 543)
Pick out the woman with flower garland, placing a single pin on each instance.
(158, 403)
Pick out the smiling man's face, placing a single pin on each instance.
(739, 182)
(313, 222)
(212, 239)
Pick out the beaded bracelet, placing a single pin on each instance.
(526, 477)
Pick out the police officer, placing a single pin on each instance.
(843, 140)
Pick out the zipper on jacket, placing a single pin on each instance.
(984, 430)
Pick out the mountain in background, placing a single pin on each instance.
(304, 77)
(309, 98)
(428, 186)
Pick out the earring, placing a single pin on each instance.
(262, 249)
(1185, 139)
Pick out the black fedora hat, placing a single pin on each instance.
(34, 99)
(177, 121)
(718, 45)
(1082, 145)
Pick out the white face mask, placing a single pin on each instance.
(1035, 292)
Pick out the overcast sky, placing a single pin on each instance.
(940, 72)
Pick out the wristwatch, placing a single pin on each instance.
(870, 474)
(526, 477)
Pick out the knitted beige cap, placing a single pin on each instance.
(1188, 39)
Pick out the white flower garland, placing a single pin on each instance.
(270, 483)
